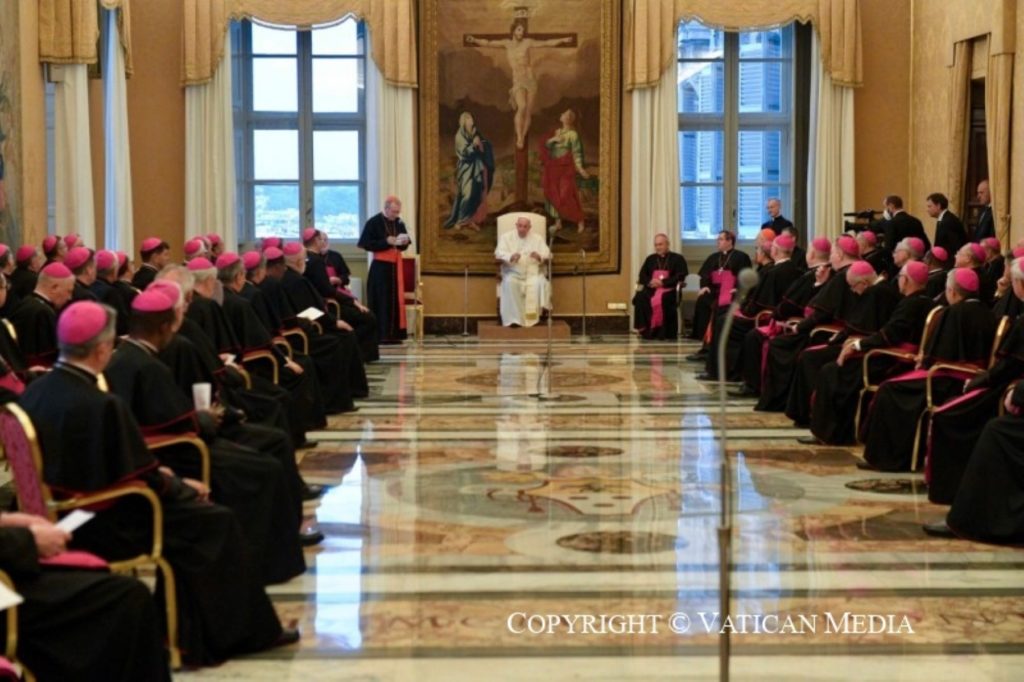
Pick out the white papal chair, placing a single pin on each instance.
(507, 223)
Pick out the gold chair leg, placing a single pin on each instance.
(171, 606)
(917, 439)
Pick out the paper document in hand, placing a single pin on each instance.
(75, 520)
(8, 597)
(311, 314)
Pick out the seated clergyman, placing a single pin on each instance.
(655, 299)
(525, 291)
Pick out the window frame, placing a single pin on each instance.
(304, 120)
(730, 122)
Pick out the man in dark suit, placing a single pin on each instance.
(949, 230)
(901, 224)
(986, 225)
(775, 220)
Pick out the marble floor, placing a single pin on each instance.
(478, 532)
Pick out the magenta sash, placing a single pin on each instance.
(726, 282)
(331, 272)
(657, 312)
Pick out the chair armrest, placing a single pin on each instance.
(257, 355)
(952, 366)
(298, 334)
(80, 500)
(245, 375)
(830, 329)
(286, 348)
(900, 355)
(331, 303)
(155, 443)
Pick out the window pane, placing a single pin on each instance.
(336, 208)
(701, 211)
(341, 38)
(697, 41)
(336, 85)
(274, 84)
(272, 40)
(276, 210)
(763, 156)
(751, 209)
(275, 154)
(764, 86)
(775, 43)
(335, 155)
(701, 87)
(701, 157)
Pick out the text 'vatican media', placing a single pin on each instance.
(708, 622)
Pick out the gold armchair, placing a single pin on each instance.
(21, 448)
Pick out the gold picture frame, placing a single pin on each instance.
(519, 119)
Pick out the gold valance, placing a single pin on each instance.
(69, 31)
(651, 31)
(391, 22)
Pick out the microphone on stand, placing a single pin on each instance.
(747, 280)
(545, 392)
(465, 302)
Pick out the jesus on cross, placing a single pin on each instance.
(524, 85)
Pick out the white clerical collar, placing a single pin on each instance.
(781, 261)
(80, 366)
(943, 214)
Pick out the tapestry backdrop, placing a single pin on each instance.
(519, 111)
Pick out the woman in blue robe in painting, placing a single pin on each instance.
(474, 175)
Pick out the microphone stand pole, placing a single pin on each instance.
(725, 517)
(465, 302)
(583, 256)
(546, 394)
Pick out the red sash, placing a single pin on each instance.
(657, 312)
(394, 256)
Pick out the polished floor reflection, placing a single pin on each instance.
(476, 531)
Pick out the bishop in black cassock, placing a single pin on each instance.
(90, 441)
(673, 270)
(725, 260)
(964, 335)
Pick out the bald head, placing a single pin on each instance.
(55, 289)
(392, 207)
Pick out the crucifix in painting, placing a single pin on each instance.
(521, 95)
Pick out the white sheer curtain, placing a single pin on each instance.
(210, 156)
(654, 175)
(118, 231)
(391, 145)
(830, 164)
(75, 211)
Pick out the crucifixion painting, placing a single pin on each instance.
(517, 48)
(518, 112)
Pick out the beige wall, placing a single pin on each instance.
(936, 27)
(882, 105)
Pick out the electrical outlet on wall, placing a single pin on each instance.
(616, 306)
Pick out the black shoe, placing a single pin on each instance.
(307, 444)
(699, 356)
(938, 530)
(866, 466)
(288, 636)
(311, 491)
(704, 376)
(809, 440)
(310, 537)
(743, 391)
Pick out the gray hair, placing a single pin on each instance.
(227, 275)
(1016, 270)
(180, 274)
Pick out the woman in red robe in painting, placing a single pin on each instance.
(561, 157)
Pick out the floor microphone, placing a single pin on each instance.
(746, 281)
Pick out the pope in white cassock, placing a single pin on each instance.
(525, 291)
